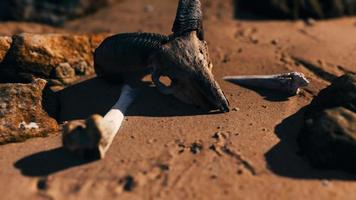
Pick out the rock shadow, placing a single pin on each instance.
(48, 162)
(97, 96)
(285, 159)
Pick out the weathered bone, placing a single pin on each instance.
(287, 82)
(92, 138)
(187, 63)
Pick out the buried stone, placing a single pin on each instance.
(328, 135)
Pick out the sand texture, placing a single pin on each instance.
(170, 150)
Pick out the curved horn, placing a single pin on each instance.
(189, 18)
(142, 41)
(126, 52)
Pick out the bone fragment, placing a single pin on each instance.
(92, 138)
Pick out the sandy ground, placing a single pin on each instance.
(163, 151)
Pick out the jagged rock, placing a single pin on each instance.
(5, 43)
(299, 8)
(47, 11)
(60, 58)
(328, 136)
(21, 113)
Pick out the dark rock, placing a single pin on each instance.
(47, 11)
(59, 58)
(298, 8)
(342, 92)
(21, 113)
(328, 135)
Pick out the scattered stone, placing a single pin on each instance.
(274, 41)
(328, 136)
(60, 58)
(21, 113)
(164, 167)
(310, 22)
(48, 11)
(149, 8)
(236, 109)
(128, 183)
(196, 147)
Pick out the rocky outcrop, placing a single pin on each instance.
(47, 11)
(298, 8)
(21, 112)
(59, 58)
(328, 136)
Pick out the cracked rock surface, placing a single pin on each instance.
(21, 112)
(60, 58)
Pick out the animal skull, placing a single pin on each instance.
(185, 60)
(182, 56)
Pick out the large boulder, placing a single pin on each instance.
(47, 11)
(299, 8)
(21, 112)
(60, 58)
(328, 136)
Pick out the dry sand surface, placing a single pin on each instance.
(169, 150)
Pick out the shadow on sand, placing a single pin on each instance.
(269, 95)
(47, 162)
(284, 158)
(98, 96)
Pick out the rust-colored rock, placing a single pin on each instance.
(21, 113)
(5, 43)
(60, 58)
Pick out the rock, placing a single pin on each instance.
(5, 43)
(21, 113)
(299, 8)
(341, 92)
(60, 57)
(48, 11)
(328, 135)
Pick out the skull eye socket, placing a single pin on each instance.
(162, 82)
(165, 80)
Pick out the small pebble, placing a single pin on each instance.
(149, 8)
(310, 22)
(195, 148)
(236, 109)
(274, 42)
